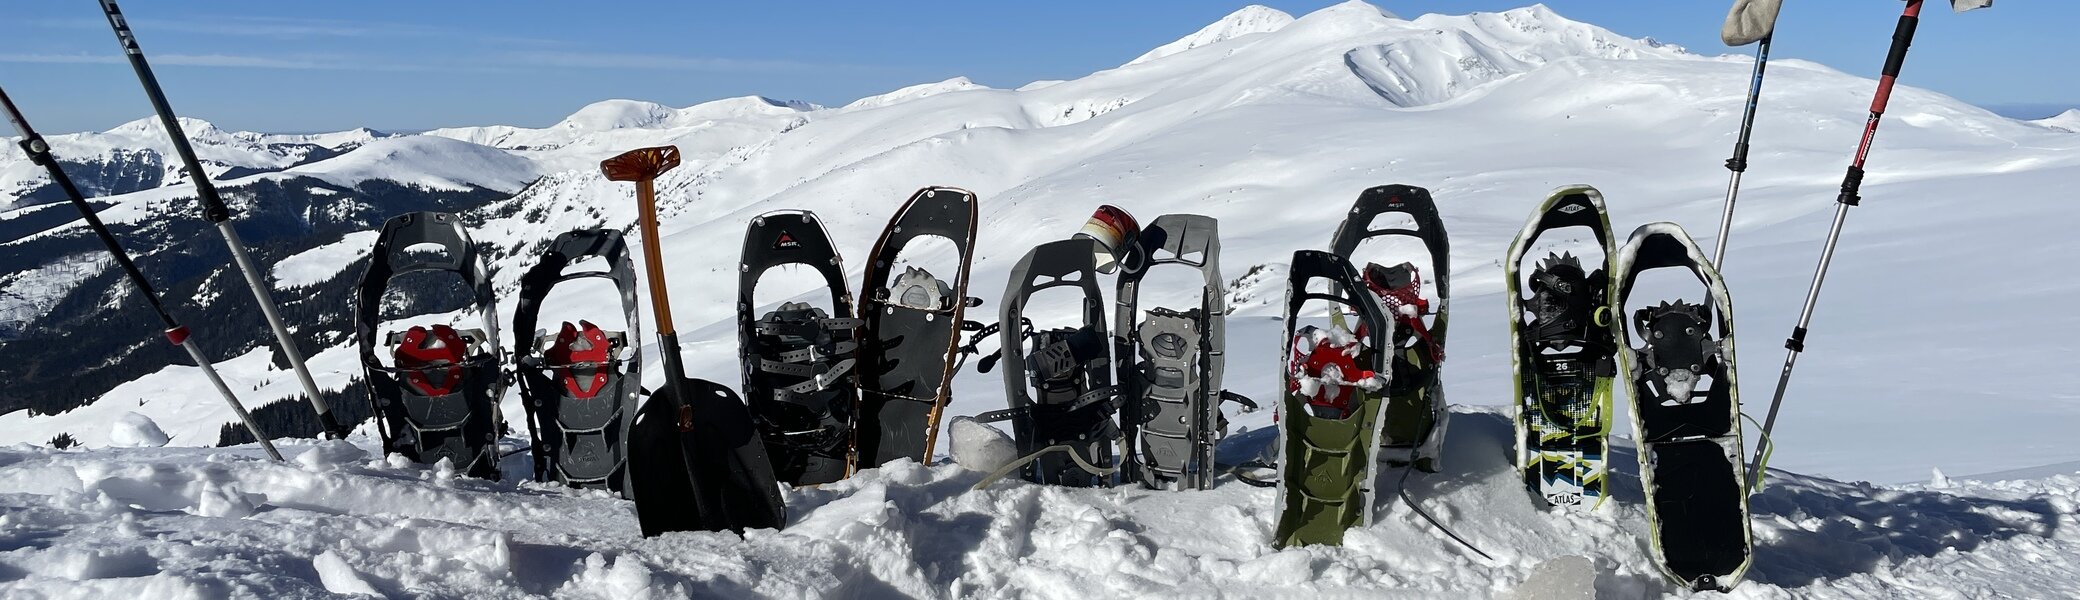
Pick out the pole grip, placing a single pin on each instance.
(1902, 37)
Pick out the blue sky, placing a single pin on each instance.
(396, 65)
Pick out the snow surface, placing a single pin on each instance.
(320, 264)
(1935, 345)
(204, 523)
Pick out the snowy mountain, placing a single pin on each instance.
(1932, 347)
(1254, 18)
(137, 156)
(2068, 120)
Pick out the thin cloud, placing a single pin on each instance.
(329, 63)
(611, 60)
(284, 28)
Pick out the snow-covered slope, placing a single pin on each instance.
(1254, 18)
(2068, 120)
(137, 155)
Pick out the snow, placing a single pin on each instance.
(76, 523)
(134, 430)
(1932, 348)
(2068, 120)
(320, 264)
(426, 161)
(916, 92)
(977, 446)
(1255, 18)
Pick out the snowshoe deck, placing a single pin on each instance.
(440, 399)
(1686, 414)
(1058, 381)
(912, 323)
(580, 383)
(797, 360)
(1416, 415)
(1329, 415)
(1563, 352)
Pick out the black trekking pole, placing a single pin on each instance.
(1749, 22)
(39, 153)
(1852, 184)
(217, 213)
(1739, 163)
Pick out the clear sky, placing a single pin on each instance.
(404, 65)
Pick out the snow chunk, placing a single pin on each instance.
(1568, 577)
(133, 430)
(625, 577)
(330, 455)
(978, 446)
(1250, 19)
(339, 578)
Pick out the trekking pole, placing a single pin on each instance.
(216, 213)
(1852, 184)
(1739, 163)
(39, 153)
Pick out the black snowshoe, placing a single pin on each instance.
(911, 338)
(797, 359)
(1416, 414)
(438, 399)
(580, 383)
(1686, 415)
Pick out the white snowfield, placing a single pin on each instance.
(1943, 340)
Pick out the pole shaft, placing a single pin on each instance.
(218, 381)
(1852, 185)
(660, 303)
(1739, 163)
(216, 212)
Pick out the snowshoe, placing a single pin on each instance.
(579, 384)
(1679, 372)
(798, 360)
(438, 397)
(1170, 361)
(1059, 380)
(1564, 347)
(1330, 415)
(1416, 414)
(910, 339)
